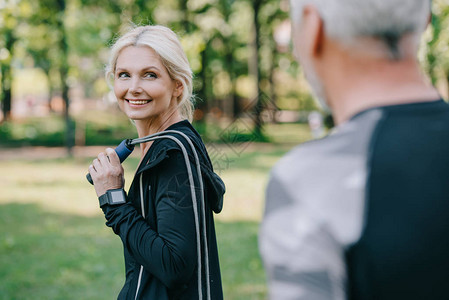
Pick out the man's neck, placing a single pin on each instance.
(366, 84)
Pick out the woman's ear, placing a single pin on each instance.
(178, 89)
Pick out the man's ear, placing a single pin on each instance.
(429, 20)
(178, 88)
(313, 26)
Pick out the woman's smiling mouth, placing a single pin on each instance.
(137, 101)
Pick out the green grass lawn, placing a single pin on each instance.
(54, 244)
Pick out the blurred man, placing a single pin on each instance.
(364, 212)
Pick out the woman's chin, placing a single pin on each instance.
(139, 117)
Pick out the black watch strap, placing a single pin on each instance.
(113, 197)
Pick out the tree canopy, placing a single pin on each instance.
(239, 50)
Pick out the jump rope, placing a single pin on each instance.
(126, 147)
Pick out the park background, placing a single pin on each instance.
(57, 113)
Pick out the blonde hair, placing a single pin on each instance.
(166, 44)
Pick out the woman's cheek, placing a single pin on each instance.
(155, 89)
(121, 105)
(118, 91)
(119, 95)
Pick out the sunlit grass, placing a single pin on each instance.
(46, 255)
(54, 244)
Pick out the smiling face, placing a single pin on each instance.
(143, 87)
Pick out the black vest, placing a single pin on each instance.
(403, 252)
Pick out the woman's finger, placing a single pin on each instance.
(113, 157)
(96, 164)
(103, 158)
(91, 169)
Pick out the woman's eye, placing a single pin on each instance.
(123, 75)
(150, 75)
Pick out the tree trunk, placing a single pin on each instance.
(63, 72)
(271, 72)
(6, 92)
(225, 7)
(257, 131)
(6, 81)
(50, 89)
(185, 23)
(229, 58)
(203, 94)
(447, 83)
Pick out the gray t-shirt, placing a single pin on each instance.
(346, 216)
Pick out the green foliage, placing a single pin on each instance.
(243, 137)
(50, 131)
(5, 132)
(217, 36)
(110, 135)
(435, 54)
(33, 132)
(111, 127)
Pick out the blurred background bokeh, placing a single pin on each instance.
(57, 113)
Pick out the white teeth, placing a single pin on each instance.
(137, 102)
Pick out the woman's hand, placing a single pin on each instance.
(107, 172)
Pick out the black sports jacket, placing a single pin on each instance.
(160, 242)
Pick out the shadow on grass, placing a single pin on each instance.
(56, 256)
(46, 255)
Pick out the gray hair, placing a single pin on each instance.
(386, 20)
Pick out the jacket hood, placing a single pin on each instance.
(213, 185)
(214, 188)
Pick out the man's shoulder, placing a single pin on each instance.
(300, 154)
(347, 141)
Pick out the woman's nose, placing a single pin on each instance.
(135, 87)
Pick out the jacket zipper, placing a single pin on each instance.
(139, 281)
(143, 215)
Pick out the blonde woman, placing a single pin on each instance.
(165, 255)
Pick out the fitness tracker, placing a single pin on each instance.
(113, 197)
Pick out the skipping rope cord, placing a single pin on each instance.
(161, 135)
